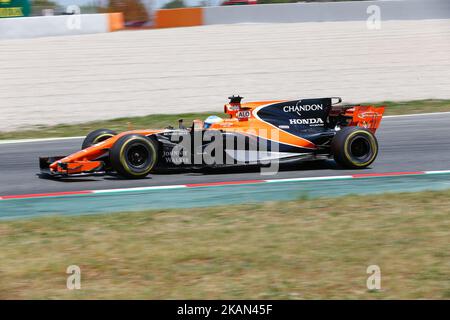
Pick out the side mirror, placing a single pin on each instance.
(180, 124)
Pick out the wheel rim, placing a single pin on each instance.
(360, 149)
(138, 156)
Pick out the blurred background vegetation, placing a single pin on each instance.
(174, 4)
(137, 13)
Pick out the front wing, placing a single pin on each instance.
(70, 168)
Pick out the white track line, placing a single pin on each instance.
(437, 172)
(139, 189)
(38, 140)
(309, 179)
(223, 183)
(416, 115)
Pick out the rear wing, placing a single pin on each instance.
(368, 116)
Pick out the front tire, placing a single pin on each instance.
(134, 156)
(97, 136)
(354, 147)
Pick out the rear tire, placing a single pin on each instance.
(97, 136)
(134, 156)
(354, 147)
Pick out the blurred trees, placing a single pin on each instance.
(276, 1)
(38, 5)
(133, 10)
(44, 3)
(174, 4)
(292, 1)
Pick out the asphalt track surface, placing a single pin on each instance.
(407, 143)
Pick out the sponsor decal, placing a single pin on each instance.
(233, 107)
(176, 156)
(301, 108)
(311, 121)
(368, 114)
(14, 8)
(243, 114)
(11, 12)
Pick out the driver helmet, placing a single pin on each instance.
(211, 120)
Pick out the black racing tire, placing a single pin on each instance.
(354, 147)
(134, 156)
(97, 136)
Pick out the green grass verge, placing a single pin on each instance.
(290, 250)
(158, 121)
(414, 107)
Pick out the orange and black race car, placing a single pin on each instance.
(255, 133)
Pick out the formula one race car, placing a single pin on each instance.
(255, 133)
